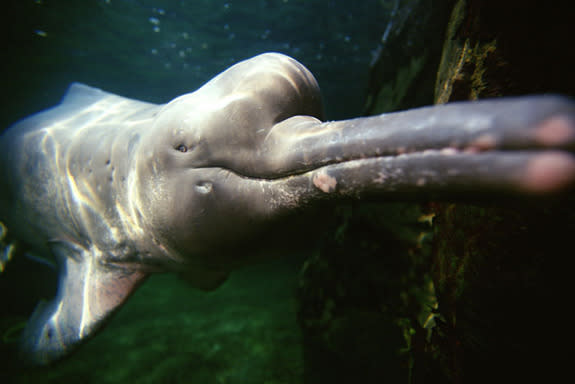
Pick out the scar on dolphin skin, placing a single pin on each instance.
(182, 187)
(324, 182)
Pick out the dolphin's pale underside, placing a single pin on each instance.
(116, 188)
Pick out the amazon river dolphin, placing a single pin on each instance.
(116, 189)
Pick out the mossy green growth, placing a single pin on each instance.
(367, 296)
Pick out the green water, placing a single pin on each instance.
(168, 332)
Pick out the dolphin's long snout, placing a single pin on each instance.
(518, 145)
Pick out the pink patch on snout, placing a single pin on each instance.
(324, 182)
(555, 131)
(481, 144)
(549, 172)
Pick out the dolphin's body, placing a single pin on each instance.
(117, 188)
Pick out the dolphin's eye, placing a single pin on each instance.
(182, 148)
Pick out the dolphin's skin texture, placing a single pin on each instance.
(116, 188)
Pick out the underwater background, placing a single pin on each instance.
(395, 293)
(156, 50)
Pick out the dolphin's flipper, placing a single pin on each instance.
(88, 293)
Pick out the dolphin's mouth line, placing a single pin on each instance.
(438, 173)
(446, 153)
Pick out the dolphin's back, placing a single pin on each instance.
(44, 155)
(80, 106)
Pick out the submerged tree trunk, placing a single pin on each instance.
(497, 267)
(449, 292)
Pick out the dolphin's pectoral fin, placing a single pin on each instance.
(89, 292)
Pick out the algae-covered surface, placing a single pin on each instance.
(245, 332)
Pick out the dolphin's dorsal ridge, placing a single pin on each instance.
(80, 94)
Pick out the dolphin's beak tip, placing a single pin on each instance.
(549, 172)
(553, 170)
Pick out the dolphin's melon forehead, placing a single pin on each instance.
(257, 73)
(260, 82)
